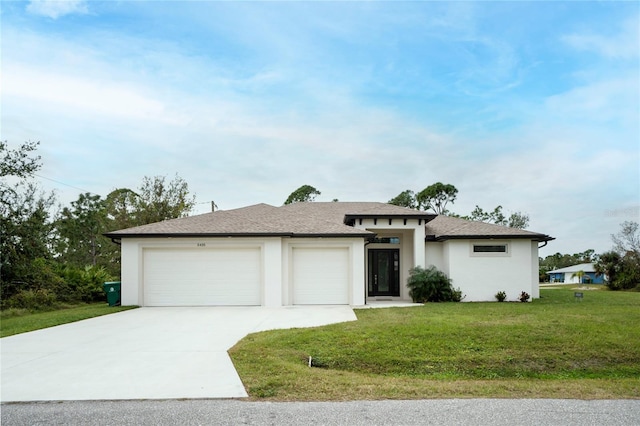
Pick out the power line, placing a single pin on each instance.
(65, 184)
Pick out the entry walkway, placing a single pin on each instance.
(145, 353)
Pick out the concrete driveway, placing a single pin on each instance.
(145, 353)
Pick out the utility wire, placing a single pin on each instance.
(65, 184)
(213, 206)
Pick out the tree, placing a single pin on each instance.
(515, 220)
(19, 162)
(628, 239)
(436, 197)
(518, 220)
(25, 226)
(80, 231)
(608, 264)
(406, 198)
(303, 194)
(25, 229)
(579, 274)
(121, 208)
(622, 264)
(159, 200)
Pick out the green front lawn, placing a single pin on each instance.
(554, 347)
(14, 321)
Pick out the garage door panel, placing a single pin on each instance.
(204, 277)
(320, 276)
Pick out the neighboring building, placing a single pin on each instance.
(568, 275)
(319, 253)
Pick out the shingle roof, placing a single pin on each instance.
(315, 219)
(445, 227)
(300, 219)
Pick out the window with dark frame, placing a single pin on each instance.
(498, 248)
(386, 240)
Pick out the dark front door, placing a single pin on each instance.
(384, 272)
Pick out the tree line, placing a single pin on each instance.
(435, 198)
(48, 258)
(51, 254)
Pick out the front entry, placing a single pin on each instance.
(384, 272)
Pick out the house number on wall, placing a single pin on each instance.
(202, 244)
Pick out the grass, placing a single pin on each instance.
(14, 321)
(555, 347)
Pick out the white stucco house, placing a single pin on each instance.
(350, 253)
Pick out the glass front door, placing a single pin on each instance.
(384, 272)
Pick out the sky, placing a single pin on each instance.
(534, 106)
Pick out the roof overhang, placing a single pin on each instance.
(349, 219)
(364, 234)
(537, 238)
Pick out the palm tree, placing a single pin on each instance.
(578, 274)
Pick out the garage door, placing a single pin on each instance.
(320, 276)
(203, 277)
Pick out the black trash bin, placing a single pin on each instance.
(112, 288)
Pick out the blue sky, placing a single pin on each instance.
(534, 106)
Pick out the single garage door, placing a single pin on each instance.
(320, 276)
(202, 277)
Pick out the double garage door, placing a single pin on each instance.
(233, 276)
(202, 277)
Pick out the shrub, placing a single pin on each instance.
(456, 295)
(38, 285)
(524, 297)
(431, 285)
(85, 284)
(501, 296)
(32, 300)
(48, 282)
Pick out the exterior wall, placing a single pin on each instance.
(568, 278)
(130, 273)
(595, 279)
(560, 277)
(481, 276)
(535, 271)
(434, 255)
(556, 277)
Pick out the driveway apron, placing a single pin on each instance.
(145, 353)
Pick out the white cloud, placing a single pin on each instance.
(614, 99)
(625, 44)
(75, 93)
(56, 8)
